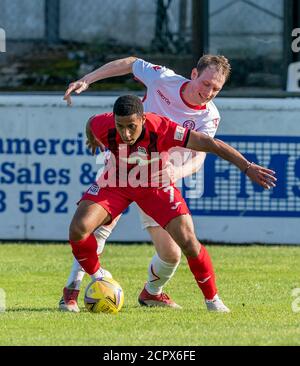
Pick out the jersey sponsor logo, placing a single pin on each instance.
(165, 99)
(179, 133)
(156, 68)
(93, 190)
(190, 124)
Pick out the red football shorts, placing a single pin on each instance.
(162, 204)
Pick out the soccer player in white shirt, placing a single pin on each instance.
(189, 103)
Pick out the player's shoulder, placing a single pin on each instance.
(104, 120)
(149, 65)
(157, 123)
(153, 120)
(160, 71)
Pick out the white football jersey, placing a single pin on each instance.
(164, 97)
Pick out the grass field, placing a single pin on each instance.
(256, 282)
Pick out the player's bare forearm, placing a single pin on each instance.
(258, 174)
(200, 142)
(114, 68)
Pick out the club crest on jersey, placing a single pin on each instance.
(216, 122)
(190, 124)
(94, 189)
(142, 150)
(179, 133)
(156, 67)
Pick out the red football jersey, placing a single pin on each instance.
(147, 155)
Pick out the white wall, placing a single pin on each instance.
(246, 29)
(231, 210)
(128, 21)
(23, 20)
(237, 29)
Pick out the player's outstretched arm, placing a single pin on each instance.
(258, 174)
(114, 68)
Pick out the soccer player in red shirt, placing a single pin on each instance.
(190, 103)
(134, 138)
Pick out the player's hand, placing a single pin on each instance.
(262, 176)
(77, 87)
(168, 175)
(92, 144)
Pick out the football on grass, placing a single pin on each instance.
(104, 295)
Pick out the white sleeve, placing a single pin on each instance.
(210, 127)
(148, 73)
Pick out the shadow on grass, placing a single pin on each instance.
(36, 310)
(126, 309)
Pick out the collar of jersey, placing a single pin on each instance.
(196, 107)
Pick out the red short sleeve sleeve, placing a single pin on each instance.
(171, 134)
(100, 124)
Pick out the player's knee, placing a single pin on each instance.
(173, 255)
(78, 231)
(189, 245)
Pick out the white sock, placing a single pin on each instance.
(159, 273)
(97, 275)
(101, 235)
(76, 276)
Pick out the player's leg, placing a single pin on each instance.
(181, 229)
(162, 266)
(77, 272)
(68, 301)
(88, 216)
(72, 287)
(93, 211)
(169, 205)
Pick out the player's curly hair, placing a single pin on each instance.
(127, 105)
(220, 62)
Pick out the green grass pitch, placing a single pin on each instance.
(256, 282)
